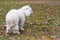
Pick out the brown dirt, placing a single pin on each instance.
(35, 2)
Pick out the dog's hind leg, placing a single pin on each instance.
(16, 30)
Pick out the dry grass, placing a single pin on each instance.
(41, 25)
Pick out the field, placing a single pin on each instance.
(43, 24)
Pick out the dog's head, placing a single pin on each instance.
(27, 10)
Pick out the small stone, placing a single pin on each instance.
(0, 32)
(53, 37)
(11, 38)
(31, 23)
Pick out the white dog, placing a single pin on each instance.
(14, 18)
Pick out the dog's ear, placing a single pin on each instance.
(28, 5)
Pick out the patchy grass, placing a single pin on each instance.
(44, 22)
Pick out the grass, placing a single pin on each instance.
(45, 19)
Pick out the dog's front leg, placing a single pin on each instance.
(22, 24)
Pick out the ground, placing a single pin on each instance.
(43, 24)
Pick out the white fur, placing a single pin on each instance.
(14, 18)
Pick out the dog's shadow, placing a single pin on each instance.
(26, 26)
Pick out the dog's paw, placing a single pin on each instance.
(18, 32)
(22, 29)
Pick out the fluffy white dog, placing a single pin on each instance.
(14, 18)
